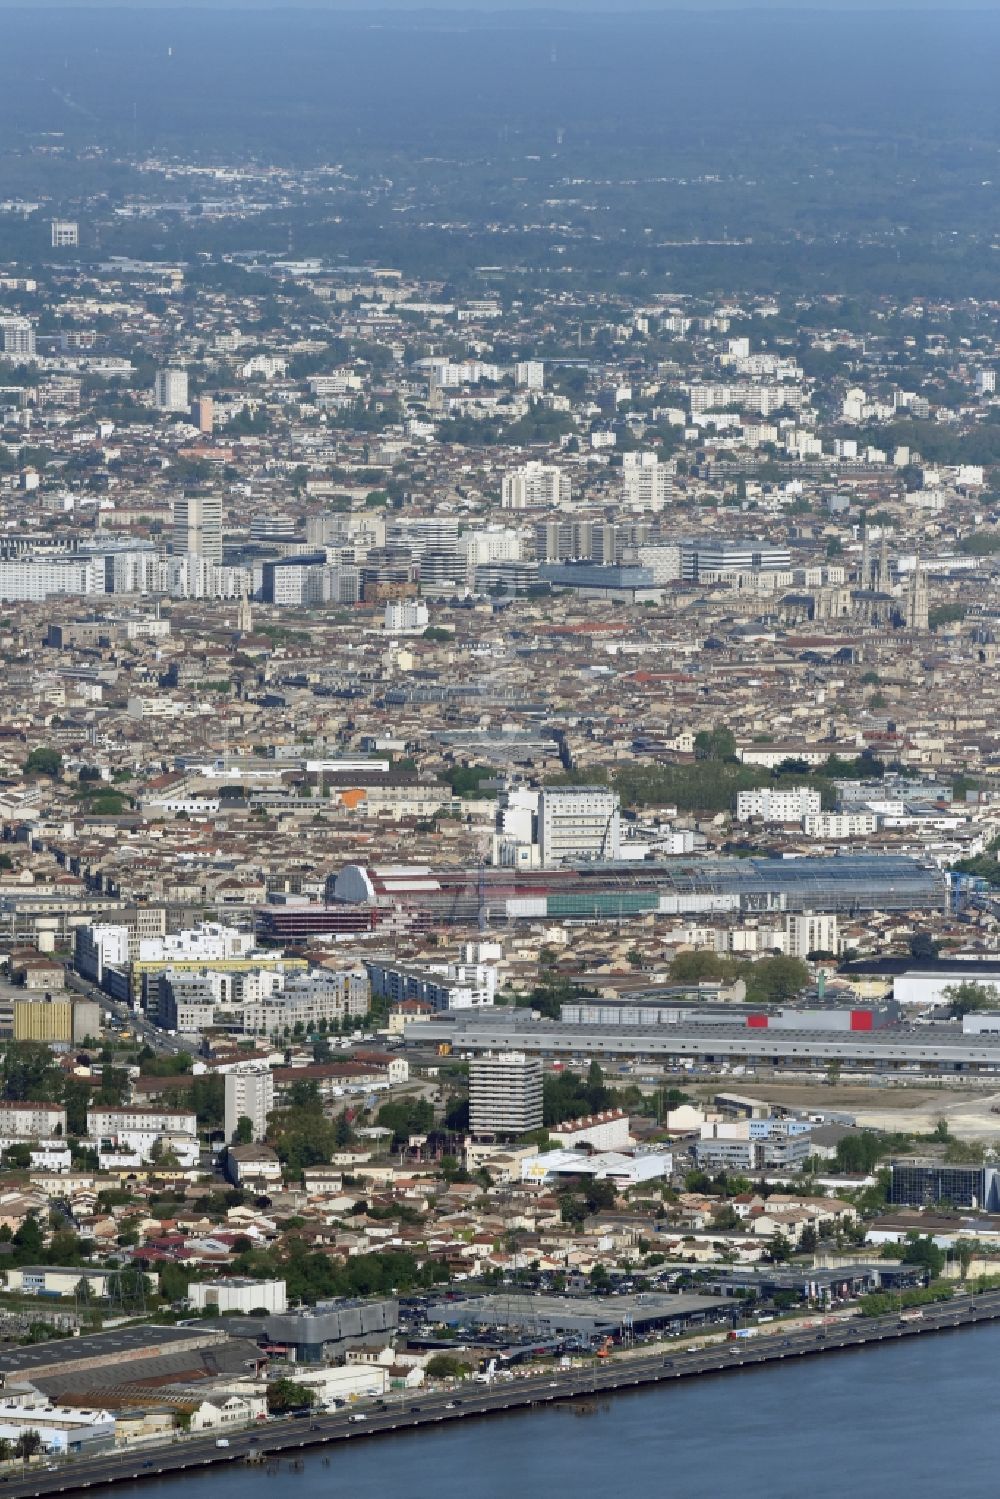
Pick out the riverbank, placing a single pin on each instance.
(410, 1412)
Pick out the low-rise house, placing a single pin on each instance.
(253, 1166)
(216, 1412)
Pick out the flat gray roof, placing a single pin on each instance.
(931, 1044)
(102, 1345)
(584, 1314)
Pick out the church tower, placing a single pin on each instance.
(883, 562)
(917, 601)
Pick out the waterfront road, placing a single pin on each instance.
(273, 1440)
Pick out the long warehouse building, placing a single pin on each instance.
(938, 1050)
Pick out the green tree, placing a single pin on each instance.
(456, 1116)
(922, 1250)
(446, 1366)
(964, 1153)
(715, 744)
(302, 1135)
(28, 1444)
(968, 997)
(243, 1133)
(174, 1281)
(64, 1248)
(725, 1218)
(29, 1073)
(76, 1097)
(287, 1394)
(29, 1242)
(465, 780)
(208, 1099)
(406, 1117)
(697, 967)
(175, 1065)
(44, 762)
(566, 1095)
(572, 1209)
(857, 1154)
(945, 614)
(774, 980)
(113, 1088)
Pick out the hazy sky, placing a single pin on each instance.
(599, 6)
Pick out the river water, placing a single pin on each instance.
(913, 1418)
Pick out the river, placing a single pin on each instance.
(912, 1418)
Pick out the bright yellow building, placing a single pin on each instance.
(43, 1020)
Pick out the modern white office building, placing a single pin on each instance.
(578, 823)
(99, 946)
(729, 556)
(239, 1294)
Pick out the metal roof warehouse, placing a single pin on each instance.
(586, 1317)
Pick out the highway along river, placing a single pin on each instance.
(912, 1418)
